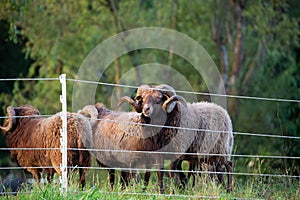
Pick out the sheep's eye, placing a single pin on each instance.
(159, 96)
(138, 99)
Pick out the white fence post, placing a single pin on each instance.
(63, 132)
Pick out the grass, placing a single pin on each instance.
(98, 188)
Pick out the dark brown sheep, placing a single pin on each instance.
(117, 130)
(25, 128)
(200, 115)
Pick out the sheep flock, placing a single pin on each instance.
(162, 126)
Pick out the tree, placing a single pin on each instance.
(13, 64)
(245, 33)
(253, 42)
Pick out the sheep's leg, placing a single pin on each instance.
(176, 165)
(146, 179)
(200, 169)
(211, 171)
(125, 179)
(219, 169)
(84, 161)
(192, 168)
(182, 177)
(50, 176)
(82, 177)
(160, 174)
(173, 166)
(36, 174)
(111, 175)
(228, 166)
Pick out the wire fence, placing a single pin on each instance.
(64, 147)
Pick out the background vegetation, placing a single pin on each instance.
(254, 43)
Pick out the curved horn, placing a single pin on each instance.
(89, 111)
(131, 102)
(166, 90)
(11, 120)
(170, 103)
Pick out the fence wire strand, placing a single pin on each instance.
(192, 171)
(156, 152)
(158, 169)
(29, 79)
(172, 127)
(204, 130)
(281, 136)
(190, 92)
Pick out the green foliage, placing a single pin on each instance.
(46, 38)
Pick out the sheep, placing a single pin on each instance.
(111, 135)
(201, 115)
(25, 128)
(126, 131)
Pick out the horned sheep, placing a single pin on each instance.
(26, 128)
(114, 131)
(110, 137)
(205, 128)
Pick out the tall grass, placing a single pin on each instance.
(97, 187)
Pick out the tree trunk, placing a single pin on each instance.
(113, 7)
(219, 34)
(237, 8)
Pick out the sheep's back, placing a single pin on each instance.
(44, 133)
(215, 136)
(118, 131)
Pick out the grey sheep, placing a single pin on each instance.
(210, 134)
(26, 128)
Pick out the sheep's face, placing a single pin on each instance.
(149, 101)
(156, 99)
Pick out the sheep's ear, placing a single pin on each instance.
(170, 107)
(170, 104)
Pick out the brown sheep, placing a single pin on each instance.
(200, 115)
(111, 135)
(25, 128)
(112, 131)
